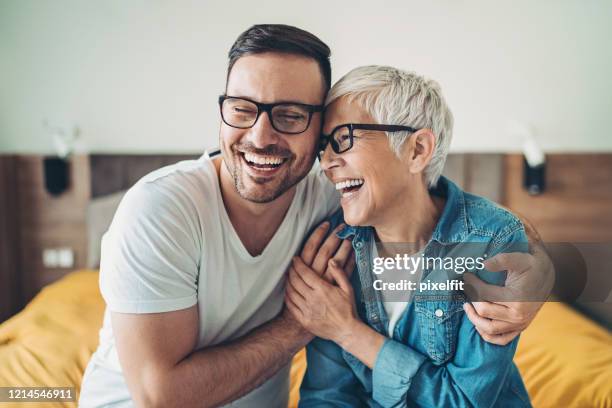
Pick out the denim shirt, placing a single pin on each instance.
(436, 357)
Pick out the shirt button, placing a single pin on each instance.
(439, 312)
(358, 244)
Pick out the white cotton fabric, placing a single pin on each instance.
(396, 302)
(171, 245)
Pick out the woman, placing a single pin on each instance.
(388, 134)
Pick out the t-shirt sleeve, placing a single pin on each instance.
(150, 256)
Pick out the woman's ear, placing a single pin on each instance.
(420, 149)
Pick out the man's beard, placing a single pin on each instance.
(267, 189)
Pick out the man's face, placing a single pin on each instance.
(271, 78)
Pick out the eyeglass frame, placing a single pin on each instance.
(328, 139)
(267, 107)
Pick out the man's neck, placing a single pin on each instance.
(255, 223)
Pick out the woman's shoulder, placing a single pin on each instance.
(489, 218)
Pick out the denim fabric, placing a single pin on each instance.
(436, 357)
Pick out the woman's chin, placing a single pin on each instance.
(354, 218)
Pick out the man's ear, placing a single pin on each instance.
(419, 150)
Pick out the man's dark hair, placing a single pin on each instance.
(281, 38)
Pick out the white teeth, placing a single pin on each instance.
(348, 183)
(253, 158)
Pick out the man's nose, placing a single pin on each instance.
(262, 133)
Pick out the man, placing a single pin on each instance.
(194, 262)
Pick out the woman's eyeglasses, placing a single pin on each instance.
(286, 117)
(341, 138)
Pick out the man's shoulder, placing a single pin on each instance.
(180, 174)
(184, 188)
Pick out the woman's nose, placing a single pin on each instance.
(329, 158)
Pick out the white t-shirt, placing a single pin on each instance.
(395, 302)
(171, 245)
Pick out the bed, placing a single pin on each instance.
(564, 357)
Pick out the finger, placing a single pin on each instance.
(293, 308)
(326, 251)
(500, 339)
(511, 261)
(314, 242)
(484, 325)
(291, 293)
(310, 277)
(339, 277)
(297, 299)
(521, 312)
(344, 253)
(479, 290)
(297, 284)
(348, 270)
(493, 311)
(349, 267)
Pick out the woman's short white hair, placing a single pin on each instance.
(395, 97)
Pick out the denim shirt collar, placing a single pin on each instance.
(452, 225)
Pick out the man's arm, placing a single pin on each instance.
(156, 350)
(162, 370)
(512, 308)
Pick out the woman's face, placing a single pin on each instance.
(380, 179)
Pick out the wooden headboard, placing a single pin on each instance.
(577, 203)
(114, 172)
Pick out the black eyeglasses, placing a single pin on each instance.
(286, 117)
(341, 138)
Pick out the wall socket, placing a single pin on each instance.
(58, 257)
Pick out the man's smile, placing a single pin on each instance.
(262, 165)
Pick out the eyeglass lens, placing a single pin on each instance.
(289, 118)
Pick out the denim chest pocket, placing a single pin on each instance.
(439, 321)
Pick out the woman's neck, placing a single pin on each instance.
(412, 220)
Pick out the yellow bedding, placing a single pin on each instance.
(49, 343)
(565, 359)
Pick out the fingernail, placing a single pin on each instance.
(333, 263)
(325, 224)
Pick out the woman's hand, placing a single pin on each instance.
(324, 309)
(328, 311)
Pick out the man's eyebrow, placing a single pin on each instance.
(276, 101)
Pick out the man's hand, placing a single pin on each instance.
(318, 251)
(503, 312)
(324, 309)
(163, 368)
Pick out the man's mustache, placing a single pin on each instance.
(270, 150)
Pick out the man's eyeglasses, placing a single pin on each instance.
(341, 138)
(286, 117)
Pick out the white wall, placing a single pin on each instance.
(143, 76)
